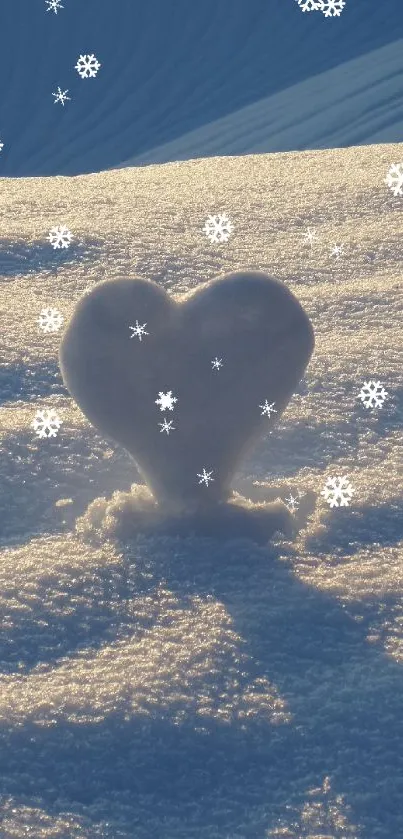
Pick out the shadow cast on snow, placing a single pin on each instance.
(22, 382)
(320, 444)
(343, 692)
(20, 258)
(37, 473)
(352, 529)
(60, 467)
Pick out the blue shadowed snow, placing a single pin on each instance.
(168, 69)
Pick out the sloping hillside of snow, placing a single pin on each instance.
(272, 76)
(193, 687)
(360, 101)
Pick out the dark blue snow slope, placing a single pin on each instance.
(170, 67)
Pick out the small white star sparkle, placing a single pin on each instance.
(216, 363)
(268, 409)
(138, 331)
(53, 6)
(337, 251)
(310, 235)
(292, 503)
(60, 96)
(205, 477)
(166, 426)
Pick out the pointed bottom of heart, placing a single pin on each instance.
(127, 514)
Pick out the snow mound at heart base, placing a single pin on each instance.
(126, 514)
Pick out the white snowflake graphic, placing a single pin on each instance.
(61, 96)
(337, 492)
(138, 331)
(1, 145)
(53, 6)
(216, 363)
(205, 477)
(50, 320)
(292, 503)
(394, 178)
(46, 421)
(218, 228)
(372, 394)
(87, 66)
(310, 235)
(166, 400)
(310, 5)
(60, 237)
(333, 8)
(166, 426)
(268, 409)
(337, 251)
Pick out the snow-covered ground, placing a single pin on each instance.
(168, 687)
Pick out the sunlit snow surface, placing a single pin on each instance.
(190, 687)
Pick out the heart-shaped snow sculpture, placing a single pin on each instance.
(223, 352)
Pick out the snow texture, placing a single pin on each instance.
(188, 687)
